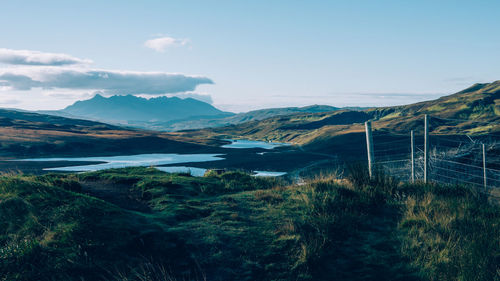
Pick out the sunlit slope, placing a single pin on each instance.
(480, 101)
(32, 134)
(475, 110)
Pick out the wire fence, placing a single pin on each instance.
(451, 158)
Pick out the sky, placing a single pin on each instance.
(245, 55)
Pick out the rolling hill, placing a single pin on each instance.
(255, 115)
(480, 101)
(32, 134)
(168, 114)
(475, 110)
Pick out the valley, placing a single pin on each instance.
(286, 197)
(249, 140)
(325, 137)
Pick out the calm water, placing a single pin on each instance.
(141, 160)
(145, 160)
(253, 144)
(195, 172)
(269, 174)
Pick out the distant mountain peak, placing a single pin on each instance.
(130, 108)
(98, 96)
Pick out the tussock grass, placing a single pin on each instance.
(451, 233)
(234, 226)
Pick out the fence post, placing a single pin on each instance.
(426, 147)
(484, 166)
(412, 141)
(369, 147)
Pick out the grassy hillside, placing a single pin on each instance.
(480, 101)
(475, 110)
(472, 111)
(148, 225)
(31, 134)
(199, 122)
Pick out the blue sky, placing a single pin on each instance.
(247, 54)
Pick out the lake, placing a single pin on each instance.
(253, 144)
(195, 172)
(144, 160)
(269, 174)
(123, 161)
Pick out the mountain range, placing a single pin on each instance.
(473, 111)
(123, 109)
(168, 113)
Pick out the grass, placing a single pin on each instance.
(452, 233)
(317, 131)
(234, 226)
(49, 233)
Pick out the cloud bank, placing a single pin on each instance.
(108, 81)
(26, 57)
(162, 43)
(201, 97)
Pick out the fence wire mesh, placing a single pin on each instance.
(452, 159)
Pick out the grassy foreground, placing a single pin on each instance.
(157, 226)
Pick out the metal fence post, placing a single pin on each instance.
(369, 147)
(412, 142)
(426, 147)
(484, 166)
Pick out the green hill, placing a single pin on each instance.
(480, 101)
(168, 114)
(28, 134)
(199, 122)
(475, 110)
(142, 224)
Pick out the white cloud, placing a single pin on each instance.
(69, 94)
(204, 97)
(34, 79)
(26, 57)
(197, 96)
(10, 102)
(162, 43)
(108, 81)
